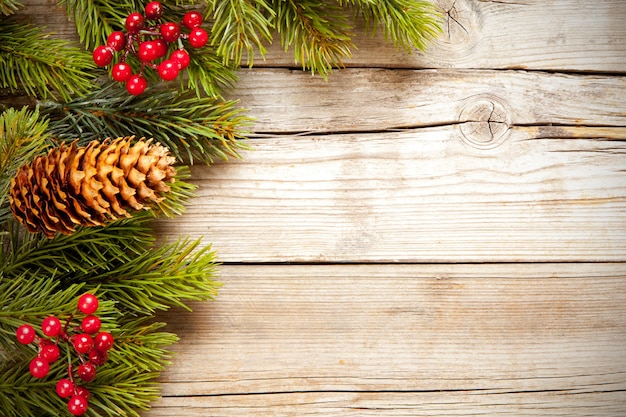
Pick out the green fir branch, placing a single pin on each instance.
(40, 65)
(192, 128)
(86, 252)
(318, 32)
(408, 24)
(207, 73)
(240, 26)
(8, 7)
(96, 19)
(120, 260)
(169, 275)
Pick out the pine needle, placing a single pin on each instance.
(193, 128)
(41, 66)
(408, 24)
(318, 31)
(8, 7)
(240, 26)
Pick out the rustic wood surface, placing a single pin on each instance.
(429, 234)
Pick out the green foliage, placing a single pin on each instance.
(193, 128)
(121, 263)
(241, 26)
(319, 33)
(96, 19)
(41, 66)
(8, 7)
(133, 278)
(207, 73)
(408, 24)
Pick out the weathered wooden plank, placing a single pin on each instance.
(377, 99)
(560, 35)
(423, 195)
(444, 403)
(404, 340)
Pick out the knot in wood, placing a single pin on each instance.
(484, 123)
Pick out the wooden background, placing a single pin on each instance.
(421, 235)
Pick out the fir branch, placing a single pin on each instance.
(408, 24)
(240, 26)
(180, 192)
(193, 128)
(22, 136)
(122, 261)
(96, 19)
(23, 396)
(30, 298)
(170, 275)
(208, 74)
(8, 7)
(86, 252)
(40, 65)
(140, 345)
(318, 32)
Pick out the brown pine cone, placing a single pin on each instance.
(90, 186)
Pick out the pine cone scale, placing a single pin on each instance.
(90, 186)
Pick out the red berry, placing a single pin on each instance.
(168, 70)
(102, 55)
(170, 31)
(198, 38)
(86, 371)
(25, 334)
(83, 343)
(98, 357)
(136, 85)
(49, 352)
(161, 47)
(192, 19)
(77, 405)
(65, 388)
(148, 51)
(82, 392)
(154, 10)
(121, 71)
(88, 303)
(39, 367)
(91, 324)
(134, 22)
(181, 57)
(116, 40)
(103, 341)
(51, 326)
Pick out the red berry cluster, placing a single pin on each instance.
(90, 344)
(150, 44)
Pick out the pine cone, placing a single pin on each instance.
(90, 186)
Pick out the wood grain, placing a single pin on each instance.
(433, 166)
(343, 340)
(284, 101)
(422, 195)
